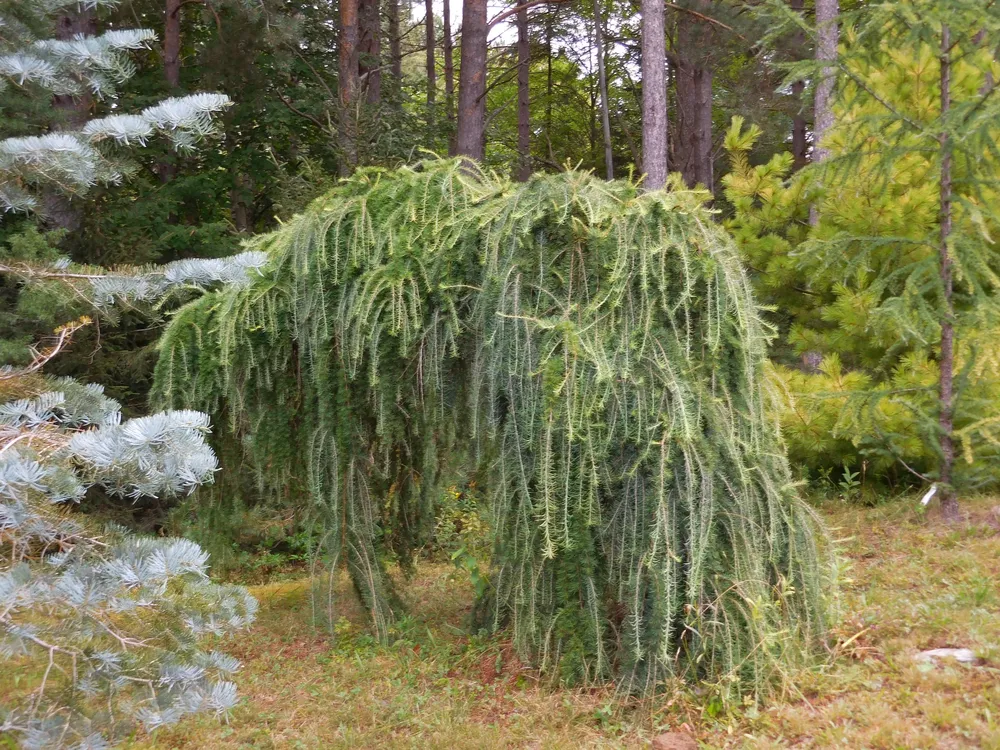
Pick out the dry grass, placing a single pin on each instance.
(912, 584)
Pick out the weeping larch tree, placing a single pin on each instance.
(590, 353)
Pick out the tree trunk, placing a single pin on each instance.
(348, 84)
(705, 173)
(240, 196)
(472, 81)
(172, 44)
(694, 121)
(826, 50)
(594, 113)
(431, 65)
(949, 502)
(71, 112)
(166, 169)
(694, 100)
(602, 82)
(523, 171)
(449, 68)
(654, 95)
(800, 147)
(370, 49)
(395, 45)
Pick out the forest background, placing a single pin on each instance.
(315, 97)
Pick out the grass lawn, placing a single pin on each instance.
(911, 583)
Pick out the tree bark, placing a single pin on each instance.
(694, 100)
(826, 51)
(166, 169)
(594, 111)
(523, 171)
(449, 67)
(395, 45)
(654, 95)
(348, 84)
(370, 49)
(602, 82)
(472, 81)
(431, 65)
(800, 146)
(694, 123)
(949, 501)
(172, 44)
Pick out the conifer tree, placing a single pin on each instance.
(70, 161)
(591, 352)
(906, 210)
(112, 623)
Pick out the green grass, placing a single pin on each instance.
(910, 583)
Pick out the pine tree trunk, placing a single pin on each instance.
(58, 210)
(602, 80)
(449, 72)
(949, 502)
(431, 64)
(240, 191)
(348, 84)
(472, 81)
(594, 113)
(694, 101)
(523, 171)
(395, 46)
(705, 173)
(172, 44)
(370, 49)
(654, 95)
(240, 206)
(800, 148)
(694, 123)
(826, 51)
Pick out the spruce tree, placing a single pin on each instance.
(112, 624)
(71, 160)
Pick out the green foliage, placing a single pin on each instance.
(593, 353)
(858, 296)
(28, 314)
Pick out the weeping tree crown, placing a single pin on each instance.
(591, 353)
